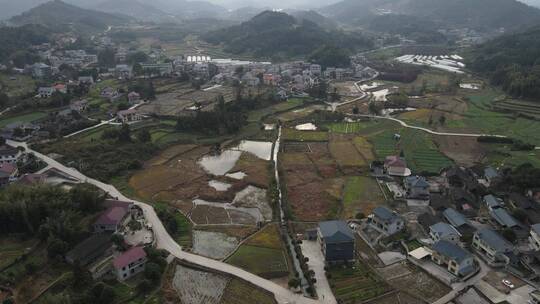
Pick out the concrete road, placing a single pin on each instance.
(165, 241)
(312, 250)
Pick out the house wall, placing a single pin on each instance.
(337, 252)
(131, 270)
(534, 241)
(388, 228)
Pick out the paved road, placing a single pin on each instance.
(165, 241)
(404, 124)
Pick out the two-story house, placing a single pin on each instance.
(444, 231)
(417, 187)
(112, 218)
(386, 221)
(396, 166)
(129, 263)
(9, 154)
(493, 247)
(457, 260)
(492, 202)
(337, 241)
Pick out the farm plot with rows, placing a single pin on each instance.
(263, 254)
(361, 194)
(356, 284)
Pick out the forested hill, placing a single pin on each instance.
(484, 15)
(278, 35)
(16, 40)
(57, 15)
(512, 62)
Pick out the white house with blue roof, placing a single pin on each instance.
(457, 260)
(492, 246)
(417, 187)
(503, 218)
(386, 221)
(337, 241)
(444, 232)
(455, 218)
(493, 202)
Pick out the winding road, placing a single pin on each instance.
(165, 241)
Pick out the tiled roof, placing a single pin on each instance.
(336, 232)
(112, 216)
(131, 255)
(451, 250)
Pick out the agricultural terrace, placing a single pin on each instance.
(356, 284)
(259, 115)
(23, 118)
(263, 254)
(297, 135)
(19, 85)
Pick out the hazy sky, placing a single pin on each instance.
(274, 3)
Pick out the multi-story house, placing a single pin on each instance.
(386, 221)
(457, 260)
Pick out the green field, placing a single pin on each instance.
(361, 194)
(183, 232)
(356, 284)
(24, 118)
(266, 262)
(259, 115)
(20, 85)
(347, 127)
(11, 249)
(420, 152)
(296, 135)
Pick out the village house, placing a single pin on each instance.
(456, 219)
(79, 105)
(417, 187)
(9, 154)
(129, 263)
(40, 70)
(88, 80)
(90, 250)
(161, 69)
(445, 232)
(386, 221)
(8, 173)
(134, 97)
(271, 79)
(109, 93)
(130, 115)
(492, 202)
(45, 92)
(396, 166)
(315, 69)
(492, 247)
(534, 237)
(458, 261)
(490, 175)
(112, 218)
(337, 241)
(503, 218)
(123, 71)
(250, 80)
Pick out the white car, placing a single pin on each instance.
(508, 284)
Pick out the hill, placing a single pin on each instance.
(57, 15)
(277, 35)
(316, 18)
(483, 15)
(15, 40)
(512, 62)
(133, 8)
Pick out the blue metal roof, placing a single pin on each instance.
(455, 218)
(492, 201)
(384, 214)
(443, 229)
(336, 232)
(503, 218)
(451, 250)
(494, 240)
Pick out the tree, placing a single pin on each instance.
(355, 110)
(106, 58)
(124, 135)
(144, 136)
(442, 119)
(56, 248)
(294, 283)
(510, 235)
(87, 197)
(373, 108)
(4, 100)
(152, 272)
(520, 215)
(144, 286)
(360, 216)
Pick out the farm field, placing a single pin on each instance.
(259, 115)
(420, 284)
(356, 284)
(20, 85)
(241, 292)
(11, 249)
(23, 118)
(361, 194)
(263, 254)
(346, 127)
(296, 135)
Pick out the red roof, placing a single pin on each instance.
(395, 161)
(8, 168)
(29, 179)
(131, 255)
(112, 216)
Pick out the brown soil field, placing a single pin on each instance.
(240, 232)
(203, 215)
(464, 151)
(345, 153)
(257, 170)
(365, 148)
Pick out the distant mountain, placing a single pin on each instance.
(137, 9)
(535, 3)
(486, 15)
(189, 9)
(57, 15)
(278, 35)
(316, 18)
(15, 40)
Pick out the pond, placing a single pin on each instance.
(220, 164)
(219, 186)
(306, 127)
(261, 149)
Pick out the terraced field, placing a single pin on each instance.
(356, 285)
(529, 109)
(296, 135)
(346, 127)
